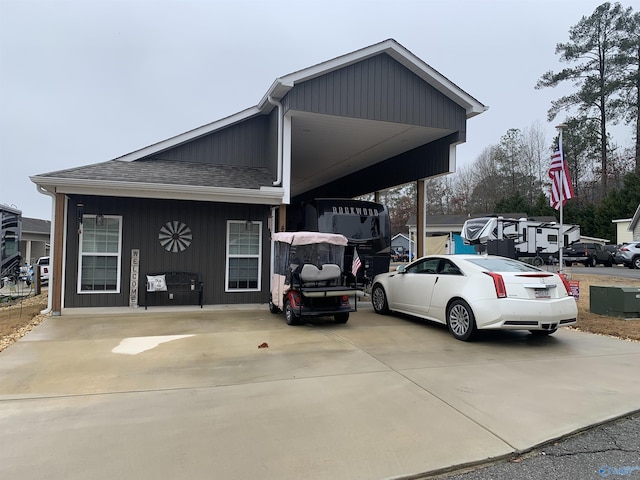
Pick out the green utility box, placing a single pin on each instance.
(615, 301)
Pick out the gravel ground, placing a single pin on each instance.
(610, 450)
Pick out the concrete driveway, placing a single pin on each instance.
(187, 393)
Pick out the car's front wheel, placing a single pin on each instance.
(461, 321)
(379, 299)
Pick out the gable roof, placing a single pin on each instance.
(392, 48)
(284, 84)
(114, 178)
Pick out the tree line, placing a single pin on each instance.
(603, 58)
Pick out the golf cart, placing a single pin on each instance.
(307, 277)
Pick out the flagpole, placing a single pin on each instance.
(561, 127)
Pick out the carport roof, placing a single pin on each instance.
(284, 84)
(188, 181)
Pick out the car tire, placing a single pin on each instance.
(635, 263)
(568, 264)
(543, 333)
(290, 315)
(341, 317)
(461, 320)
(379, 299)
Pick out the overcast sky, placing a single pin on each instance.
(85, 81)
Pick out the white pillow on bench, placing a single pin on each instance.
(156, 283)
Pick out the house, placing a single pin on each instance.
(623, 233)
(634, 226)
(206, 200)
(35, 239)
(401, 242)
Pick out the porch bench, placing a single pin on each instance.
(185, 284)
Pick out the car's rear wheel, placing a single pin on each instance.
(635, 263)
(379, 299)
(290, 314)
(341, 317)
(461, 321)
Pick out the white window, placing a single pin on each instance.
(100, 252)
(244, 256)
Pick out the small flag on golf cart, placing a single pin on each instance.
(356, 264)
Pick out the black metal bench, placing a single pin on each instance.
(183, 283)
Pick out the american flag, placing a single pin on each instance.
(559, 175)
(356, 264)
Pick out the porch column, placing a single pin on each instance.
(55, 276)
(282, 218)
(420, 219)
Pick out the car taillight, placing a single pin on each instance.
(498, 282)
(565, 282)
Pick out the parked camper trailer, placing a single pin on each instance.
(11, 234)
(529, 238)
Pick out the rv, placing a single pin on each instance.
(366, 225)
(519, 238)
(11, 232)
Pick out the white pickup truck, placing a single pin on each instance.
(43, 266)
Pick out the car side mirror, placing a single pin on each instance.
(400, 269)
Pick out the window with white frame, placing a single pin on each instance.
(244, 255)
(100, 254)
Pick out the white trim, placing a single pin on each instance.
(262, 196)
(118, 256)
(228, 256)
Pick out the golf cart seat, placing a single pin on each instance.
(327, 275)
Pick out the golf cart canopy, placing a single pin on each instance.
(309, 238)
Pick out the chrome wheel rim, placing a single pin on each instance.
(378, 299)
(459, 320)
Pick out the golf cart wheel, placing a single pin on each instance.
(272, 306)
(379, 299)
(341, 317)
(461, 321)
(290, 315)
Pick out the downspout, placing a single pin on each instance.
(278, 181)
(51, 244)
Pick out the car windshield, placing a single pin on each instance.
(503, 265)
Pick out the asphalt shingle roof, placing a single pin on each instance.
(169, 172)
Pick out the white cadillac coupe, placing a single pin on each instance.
(471, 292)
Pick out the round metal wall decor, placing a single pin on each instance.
(175, 236)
